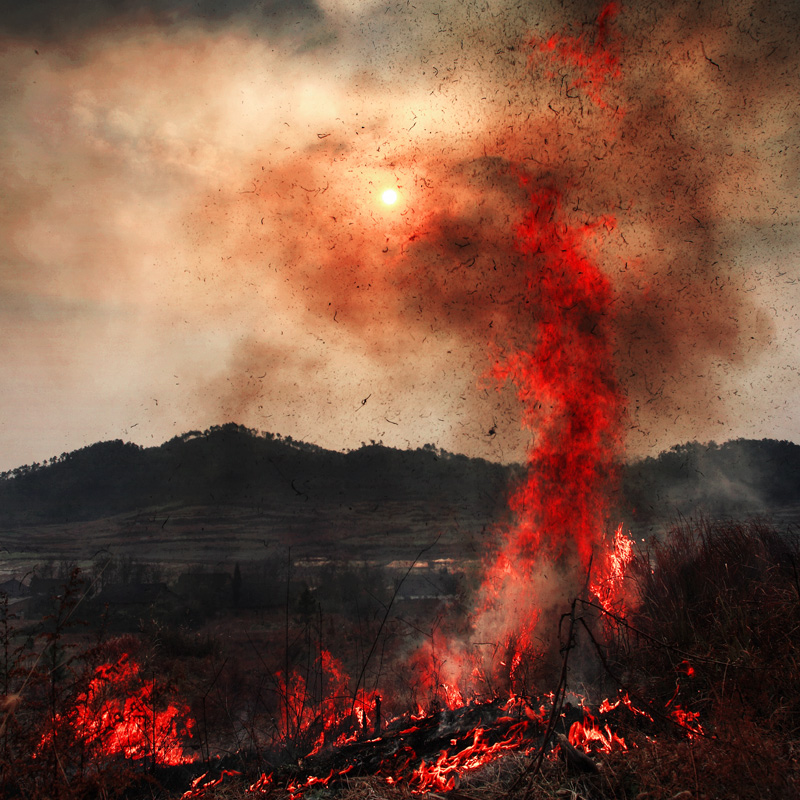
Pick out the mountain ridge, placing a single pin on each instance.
(231, 465)
(234, 465)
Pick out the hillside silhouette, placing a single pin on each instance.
(231, 465)
(742, 477)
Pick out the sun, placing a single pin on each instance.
(389, 197)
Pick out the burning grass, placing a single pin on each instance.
(697, 657)
(701, 668)
(579, 667)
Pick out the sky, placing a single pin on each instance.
(192, 228)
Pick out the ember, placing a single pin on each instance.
(442, 775)
(687, 720)
(593, 62)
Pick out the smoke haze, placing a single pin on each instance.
(192, 231)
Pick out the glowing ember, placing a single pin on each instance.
(202, 783)
(625, 700)
(686, 667)
(442, 775)
(687, 720)
(463, 748)
(262, 785)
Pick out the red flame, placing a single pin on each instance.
(608, 585)
(262, 786)
(442, 775)
(567, 385)
(588, 736)
(315, 713)
(118, 714)
(625, 700)
(594, 63)
(688, 720)
(202, 783)
(565, 379)
(568, 389)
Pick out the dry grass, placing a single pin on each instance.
(740, 764)
(716, 631)
(724, 597)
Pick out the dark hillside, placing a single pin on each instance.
(738, 478)
(231, 465)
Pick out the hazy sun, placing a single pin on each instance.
(389, 197)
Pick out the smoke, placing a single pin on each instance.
(57, 21)
(199, 187)
(447, 262)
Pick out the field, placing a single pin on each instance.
(213, 536)
(710, 630)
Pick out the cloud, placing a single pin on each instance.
(59, 20)
(216, 177)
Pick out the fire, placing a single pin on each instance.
(119, 714)
(443, 774)
(312, 714)
(202, 783)
(511, 726)
(571, 399)
(689, 720)
(561, 364)
(587, 735)
(594, 62)
(625, 700)
(262, 785)
(608, 585)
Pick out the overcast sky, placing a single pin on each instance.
(192, 230)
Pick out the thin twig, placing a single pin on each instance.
(385, 618)
(532, 770)
(665, 645)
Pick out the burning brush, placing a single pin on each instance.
(555, 550)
